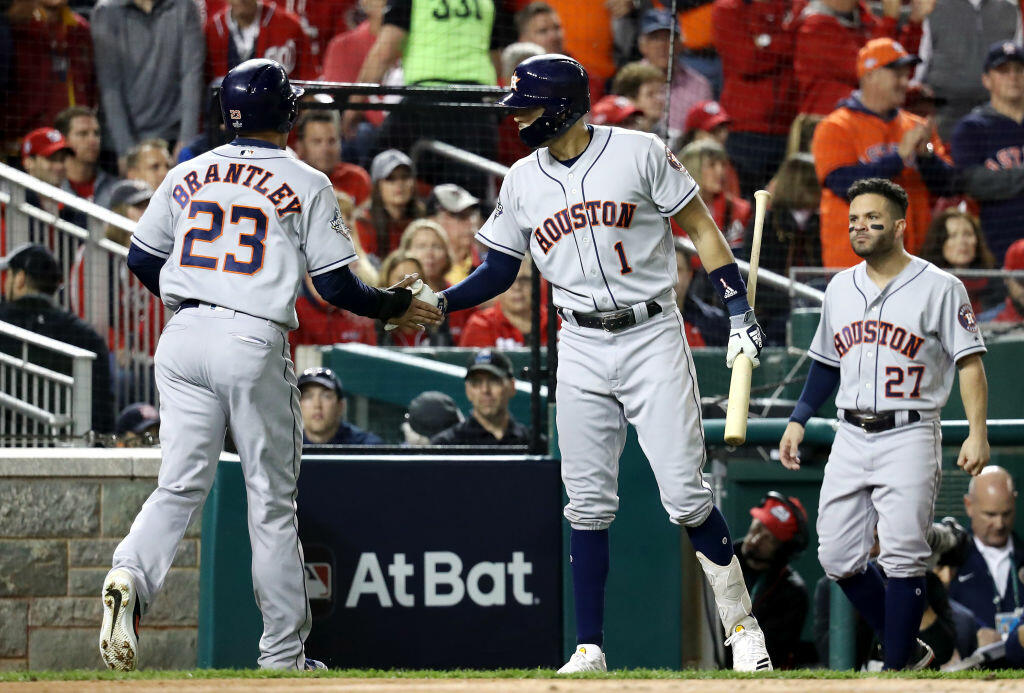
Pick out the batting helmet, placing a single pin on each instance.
(256, 95)
(556, 82)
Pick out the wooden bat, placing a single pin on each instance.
(743, 367)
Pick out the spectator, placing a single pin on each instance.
(346, 52)
(619, 111)
(148, 161)
(33, 277)
(53, 64)
(953, 53)
(84, 177)
(322, 402)
(426, 242)
(644, 85)
(429, 413)
(779, 599)
(829, 34)
(508, 323)
(515, 53)
(392, 203)
(490, 386)
(149, 65)
(318, 143)
(689, 87)
(539, 23)
(792, 238)
(870, 136)
(1012, 310)
(247, 29)
(321, 322)
(138, 426)
(458, 213)
(708, 162)
(214, 132)
(510, 148)
(393, 269)
(755, 40)
(43, 153)
(321, 20)
(708, 120)
(988, 582)
(954, 242)
(589, 36)
(987, 146)
(706, 325)
(438, 50)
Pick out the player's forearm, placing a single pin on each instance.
(494, 277)
(696, 220)
(974, 393)
(821, 383)
(345, 290)
(146, 267)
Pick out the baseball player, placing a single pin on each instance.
(891, 330)
(225, 242)
(591, 205)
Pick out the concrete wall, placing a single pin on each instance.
(62, 513)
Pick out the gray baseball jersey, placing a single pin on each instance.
(597, 229)
(896, 347)
(240, 226)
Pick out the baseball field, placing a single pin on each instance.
(511, 681)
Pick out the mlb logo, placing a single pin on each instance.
(318, 580)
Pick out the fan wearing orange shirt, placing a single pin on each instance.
(870, 136)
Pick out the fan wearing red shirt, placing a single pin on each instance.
(318, 143)
(346, 52)
(708, 162)
(320, 19)
(84, 177)
(506, 325)
(248, 29)
(322, 323)
(1011, 310)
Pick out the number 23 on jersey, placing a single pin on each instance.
(251, 225)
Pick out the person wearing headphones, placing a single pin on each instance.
(778, 532)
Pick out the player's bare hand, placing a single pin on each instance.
(988, 636)
(619, 8)
(974, 454)
(920, 9)
(790, 444)
(891, 8)
(911, 140)
(745, 337)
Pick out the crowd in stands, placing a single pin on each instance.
(801, 97)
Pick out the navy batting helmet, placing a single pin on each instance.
(256, 95)
(556, 82)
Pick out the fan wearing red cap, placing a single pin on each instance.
(707, 120)
(778, 532)
(1012, 310)
(42, 155)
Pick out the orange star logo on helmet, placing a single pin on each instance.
(512, 84)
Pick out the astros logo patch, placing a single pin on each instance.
(966, 317)
(672, 160)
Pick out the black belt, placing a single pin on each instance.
(876, 423)
(615, 321)
(192, 303)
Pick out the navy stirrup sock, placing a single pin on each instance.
(866, 591)
(588, 554)
(712, 538)
(904, 605)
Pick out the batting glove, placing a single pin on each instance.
(745, 337)
(421, 292)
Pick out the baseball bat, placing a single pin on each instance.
(743, 367)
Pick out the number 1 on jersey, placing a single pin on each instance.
(624, 267)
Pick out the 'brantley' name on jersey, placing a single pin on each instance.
(592, 212)
(872, 331)
(249, 175)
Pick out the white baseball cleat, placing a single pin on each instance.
(748, 649)
(585, 658)
(119, 635)
(314, 665)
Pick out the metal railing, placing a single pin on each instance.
(39, 403)
(97, 284)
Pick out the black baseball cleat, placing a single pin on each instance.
(119, 635)
(921, 658)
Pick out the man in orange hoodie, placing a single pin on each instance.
(870, 136)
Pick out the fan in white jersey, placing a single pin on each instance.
(591, 206)
(225, 242)
(893, 329)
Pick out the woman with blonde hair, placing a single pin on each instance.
(426, 241)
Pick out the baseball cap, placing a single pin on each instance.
(129, 192)
(321, 376)
(657, 20)
(44, 142)
(35, 261)
(1014, 259)
(491, 361)
(432, 412)
(1002, 52)
(883, 52)
(136, 418)
(452, 198)
(612, 110)
(778, 517)
(386, 162)
(706, 115)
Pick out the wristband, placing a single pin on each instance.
(730, 287)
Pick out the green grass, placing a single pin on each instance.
(89, 675)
